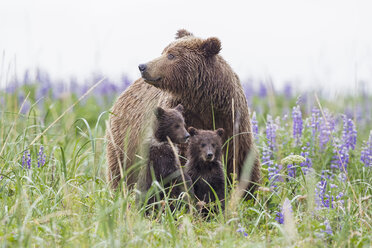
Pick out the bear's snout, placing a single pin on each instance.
(142, 67)
(209, 156)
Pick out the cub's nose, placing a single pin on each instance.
(187, 136)
(142, 67)
(209, 156)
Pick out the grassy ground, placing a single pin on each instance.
(53, 189)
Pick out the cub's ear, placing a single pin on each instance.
(159, 112)
(182, 33)
(179, 108)
(220, 132)
(192, 131)
(211, 46)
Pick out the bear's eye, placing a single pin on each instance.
(177, 126)
(170, 56)
(203, 145)
(213, 145)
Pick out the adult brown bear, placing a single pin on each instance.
(190, 72)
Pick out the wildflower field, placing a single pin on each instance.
(316, 189)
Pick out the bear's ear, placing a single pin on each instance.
(179, 108)
(211, 46)
(220, 132)
(182, 33)
(192, 131)
(159, 112)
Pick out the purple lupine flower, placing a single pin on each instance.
(328, 228)
(291, 171)
(41, 157)
(273, 170)
(322, 197)
(255, 127)
(349, 133)
(242, 230)
(307, 164)
(366, 154)
(271, 128)
(297, 123)
(267, 153)
(280, 217)
(26, 160)
(326, 190)
(341, 151)
(340, 158)
(327, 126)
(271, 166)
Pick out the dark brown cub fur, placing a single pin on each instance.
(204, 165)
(163, 163)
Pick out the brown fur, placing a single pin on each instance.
(163, 164)
(204, 164)
(197, 77)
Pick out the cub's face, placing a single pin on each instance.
(170, 123)
(180, 62)
(205, 145)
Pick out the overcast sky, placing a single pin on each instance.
(324, 43)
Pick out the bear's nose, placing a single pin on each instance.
(142, 67)
(187, 136)
(209, 155)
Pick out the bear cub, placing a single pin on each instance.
(163, 163)
(204, 166)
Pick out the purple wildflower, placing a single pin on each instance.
(297, 124)
(41, 157)
(328, 228)
(349, 133)
(340, 158)
(242, 230)
(291, 171)
(255, 127)
(271, 128)
(325, 191)
(280, 217)
(267, 153)
(26, 160)
(366, 154)
(327, 126)
(341, 151)
(322, 198)
(307, 164)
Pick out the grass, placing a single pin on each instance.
(67, 201)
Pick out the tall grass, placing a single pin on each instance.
(66, 200)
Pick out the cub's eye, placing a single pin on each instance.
(170, 56)
(213, 145)
(177, 126)
(203, 145)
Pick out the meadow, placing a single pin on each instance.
(316, 189)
